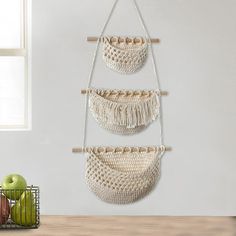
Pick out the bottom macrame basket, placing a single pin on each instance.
(125, 176)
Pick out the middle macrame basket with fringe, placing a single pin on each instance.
(124, 111)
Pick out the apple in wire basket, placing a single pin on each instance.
(13, 186)
(4, 209)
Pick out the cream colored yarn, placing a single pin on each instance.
(122, 177)
(124, 111)
(124, 57)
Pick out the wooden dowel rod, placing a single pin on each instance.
(85, 91)
(94, 39)
(110, 149)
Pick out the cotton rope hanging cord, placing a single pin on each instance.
(125, 176)
(154, 68)
(92, 71)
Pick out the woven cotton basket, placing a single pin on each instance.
(122, 177)
(126, 56)
(124, 111)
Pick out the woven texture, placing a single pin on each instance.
(122, 178)
(124, 57)
(122, 113)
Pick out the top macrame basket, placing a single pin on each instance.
(124, 55)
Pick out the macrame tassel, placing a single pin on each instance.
(125, 111)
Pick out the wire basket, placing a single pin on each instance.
(19, 209)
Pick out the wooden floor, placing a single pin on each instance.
(128, 226)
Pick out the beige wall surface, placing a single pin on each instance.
(196, 60)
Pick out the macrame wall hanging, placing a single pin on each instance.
(122, 175)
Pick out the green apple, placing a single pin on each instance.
(24, 211)
(13, 185)
(4, 209)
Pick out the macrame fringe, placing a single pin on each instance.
(131, 114)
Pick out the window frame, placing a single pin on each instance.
(23, 51)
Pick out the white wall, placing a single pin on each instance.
(196, 60)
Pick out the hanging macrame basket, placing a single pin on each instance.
(124, 111)
(123, 177)
(124, 56)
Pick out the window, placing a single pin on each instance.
(14, 65)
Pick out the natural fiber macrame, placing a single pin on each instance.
(123, 177)
(124, 57)
(124, 111)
